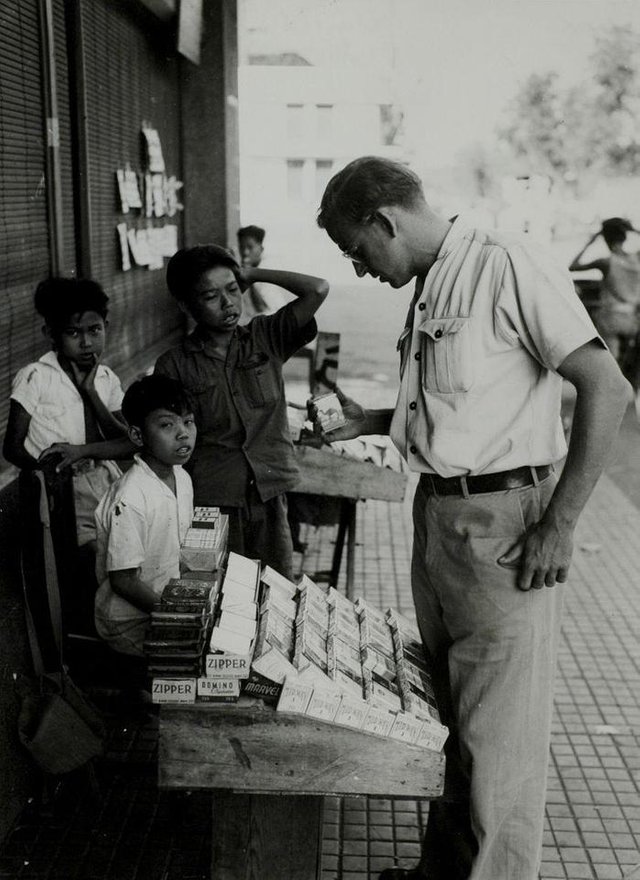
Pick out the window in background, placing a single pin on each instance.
(295, 121)
(324, 168)
(391, 125)
(324, 121)
(295, 169)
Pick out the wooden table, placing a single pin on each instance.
(269, 772)
(337, 476)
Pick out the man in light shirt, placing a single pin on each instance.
(493, 329)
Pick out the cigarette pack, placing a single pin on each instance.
(274, 666)
(173, 690)
(205, 517)
(278, 582)
(329, 411)
(227, 665)
(259, 686)
(294, 697)
(226, 641)
(274, 631)
(188, 595)
(285, 606)
(218, 690)
(432, 735)
(243, 626)
(376, 635)
(352, 712)
(323, 704)
(231, 602)
(379, 720)
(309, 648)
(347, 657)
(378, 663)
(203, 549)
(406, 728)
(243, 571)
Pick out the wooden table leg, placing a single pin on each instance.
(343, 524)
(266, 837)
(351, 547)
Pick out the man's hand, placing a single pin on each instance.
(542, 555)
(70, 454)
(355, 415)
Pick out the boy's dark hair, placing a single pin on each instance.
(188, 265)
(365, 185)
(614, 230)
(57, 299)
(151, 393)
(254, 232)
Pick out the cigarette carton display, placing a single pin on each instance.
(273, 598)
(204, 548)
(329, 411)
(379, 721)
(173, 690)
(205, 517)
(352, 712)
(226, 641)
(406, 728)
(274, 666)
(218, 690)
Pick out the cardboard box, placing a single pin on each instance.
(218, 690)
(173, 690)
(227, 665)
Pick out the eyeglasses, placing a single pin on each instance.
(352, 253)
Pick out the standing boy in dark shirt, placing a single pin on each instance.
(244, 460)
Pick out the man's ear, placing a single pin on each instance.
(135, 435)
(387, 219)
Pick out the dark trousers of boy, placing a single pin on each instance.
(244, 462)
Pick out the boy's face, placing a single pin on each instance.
(216, 300)
(250, 251)
(166, 437)
(81, 339)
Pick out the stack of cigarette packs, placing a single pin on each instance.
(204, 545)
(231, 643)
(182, 619)
(345, 663)
(177, 635)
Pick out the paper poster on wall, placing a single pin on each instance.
(124, 246)
(155, 159)
(169, 240)
(139, 246)
(172, 188)
(148, 195)
(122, 191)
(158, 195)
(155, 237)
(132, 189)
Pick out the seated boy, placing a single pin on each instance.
(144, 516)
(244, 460)
(68, 402)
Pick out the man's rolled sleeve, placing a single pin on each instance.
(537, 303)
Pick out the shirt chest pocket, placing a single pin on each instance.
(258, 381)
(446, 354)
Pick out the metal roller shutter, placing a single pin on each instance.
(131, 76)
(24, 239)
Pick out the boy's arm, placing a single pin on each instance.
(118, 449)
(17, 429)
(310, 291)
(111, 427)
(577, 266)
(127, 584)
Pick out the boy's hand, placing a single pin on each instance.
(243, 277)
(355, 415)
(85, 381)
(68, 452)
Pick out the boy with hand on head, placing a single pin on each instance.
(68, 403)
(244, 460)
(144, 516)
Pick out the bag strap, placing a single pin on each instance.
(51, 581)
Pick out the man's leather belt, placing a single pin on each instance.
(474, 485)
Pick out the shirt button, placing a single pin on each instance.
(413, 450)
(413, 404)
(422, 306)
(438, 333)
(417, 355)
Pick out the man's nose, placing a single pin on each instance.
(360, 269)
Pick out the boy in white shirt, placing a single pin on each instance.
(144, 516)
(68, 403)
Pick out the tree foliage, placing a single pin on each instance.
(590, 127)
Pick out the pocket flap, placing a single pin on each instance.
(439, 328)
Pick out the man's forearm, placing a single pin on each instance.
(111, 427)
(378, 421)
(119, 448)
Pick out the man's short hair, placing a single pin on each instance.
(365, 185)
(188, 265)
(152, 393)
(254, 232)
(58, 299)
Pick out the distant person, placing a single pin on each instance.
(259, 299)
(144, 515)
(244, 461)
(67, 403)
(493, 328)
(617, 315)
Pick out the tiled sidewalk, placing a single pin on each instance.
(133, 832)
(593, 806)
